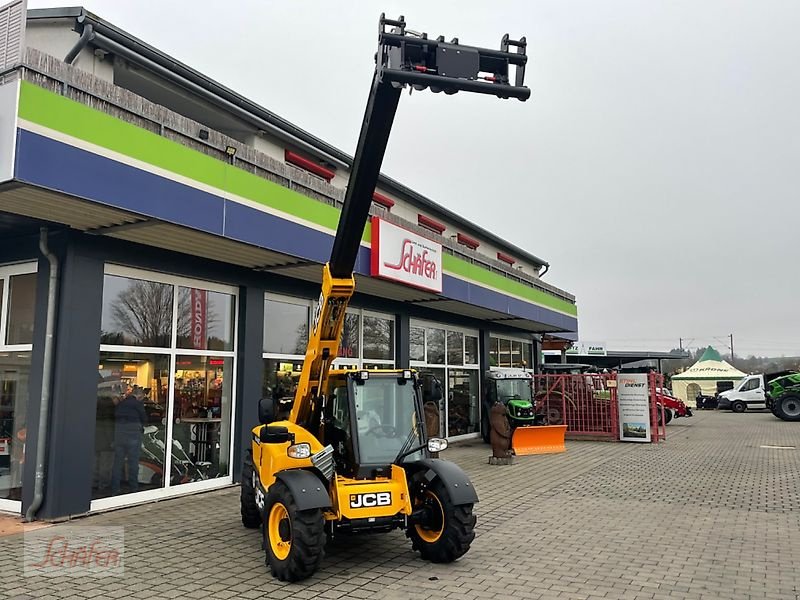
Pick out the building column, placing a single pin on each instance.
(250, 371)
(402, 343)
(73, 405)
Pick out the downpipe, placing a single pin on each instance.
(86, 37)
(47, 369)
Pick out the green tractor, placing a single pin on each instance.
(514, 389)
(783, 397)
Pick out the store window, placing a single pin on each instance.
(164, 394)
(129, 454)
(350, 345)
(416, 348)
(378, 338)
(450, 355)
(17, 302)
(21, 304)
(455, 348)
(368, 340)
(205, 319)
(136, 312)
(286, 326)
(507, 352)
(201, 415)
(435, 344)
(471, 356)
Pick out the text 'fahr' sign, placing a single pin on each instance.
(403, 256)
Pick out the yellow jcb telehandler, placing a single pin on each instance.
(354, 455)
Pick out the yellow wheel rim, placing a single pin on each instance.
(431, 535)
(280, 544)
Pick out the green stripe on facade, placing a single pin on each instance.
(494, 280)
(77, 120)
(83, 122)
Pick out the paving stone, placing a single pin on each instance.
(603, 520)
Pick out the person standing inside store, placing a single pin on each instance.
(129, 422)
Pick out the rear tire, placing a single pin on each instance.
(294, 539)
(738, 406)
(452, 532)
(787, 407)
(667, 416)
(251, 515)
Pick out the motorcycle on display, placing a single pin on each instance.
(151, 461)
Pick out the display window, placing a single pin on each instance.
(286, 326)
(451, 355)
(165, 386)
(368, 341)
(507, 352)
(17, 302)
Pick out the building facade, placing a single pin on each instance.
(163, 238)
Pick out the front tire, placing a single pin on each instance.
(452, 528)
(738, 406)
(251, 515)
(294, 539)
(787, 407)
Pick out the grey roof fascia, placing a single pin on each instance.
(327, 151)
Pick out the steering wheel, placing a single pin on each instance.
(388, 430)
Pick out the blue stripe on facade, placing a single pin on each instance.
(58, 166)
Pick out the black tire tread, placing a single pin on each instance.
(308, 538)
(251, 515)
(778, 407)
(458, 534)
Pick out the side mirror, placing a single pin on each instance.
(265, 411)
(274, 434)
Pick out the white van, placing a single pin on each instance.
(750, 392)
(747, 393)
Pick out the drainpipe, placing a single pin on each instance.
(546, 269)
(47, 369)
(86, 37)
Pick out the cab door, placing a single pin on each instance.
(752, 393)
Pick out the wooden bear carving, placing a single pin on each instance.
(500, 435)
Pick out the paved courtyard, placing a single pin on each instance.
(711, 513)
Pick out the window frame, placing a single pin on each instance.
(6, 273)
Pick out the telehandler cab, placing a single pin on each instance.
(354, 454)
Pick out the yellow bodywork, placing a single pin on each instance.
(269, 459)
(346, 492)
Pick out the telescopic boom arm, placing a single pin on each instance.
(403, 58)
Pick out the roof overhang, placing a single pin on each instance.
(39, 206)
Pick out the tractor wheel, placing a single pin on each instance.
(738, 406)
(667, 416)
(451, 530)
(294, 539)
(251, 515)
(787, 407)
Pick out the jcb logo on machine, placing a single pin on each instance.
(369, 500)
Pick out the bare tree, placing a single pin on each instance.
(143, 312)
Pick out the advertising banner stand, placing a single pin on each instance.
(633, 397)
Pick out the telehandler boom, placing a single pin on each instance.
(354, 455)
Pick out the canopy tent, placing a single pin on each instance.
(703, 376)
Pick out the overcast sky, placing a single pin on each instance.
(655, 165)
